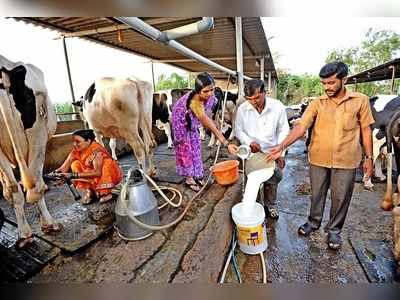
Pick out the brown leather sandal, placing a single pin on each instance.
(52, 228)
(23, 243)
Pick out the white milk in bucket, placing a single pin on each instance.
(251, 231)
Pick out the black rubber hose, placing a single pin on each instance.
(2, 219)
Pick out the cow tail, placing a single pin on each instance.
(389, 135)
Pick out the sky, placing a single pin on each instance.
(88, 60)
(302, 43)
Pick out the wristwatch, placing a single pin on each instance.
(226, 143)
(367, 157)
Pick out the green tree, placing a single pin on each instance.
(377, 47)
(293, 88)
(65, 107)
(174, 81)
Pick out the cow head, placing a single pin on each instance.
(79, 108)
(218, 93)
(79, 104)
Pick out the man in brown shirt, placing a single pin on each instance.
(341, 122)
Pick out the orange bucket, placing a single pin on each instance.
(226, 172)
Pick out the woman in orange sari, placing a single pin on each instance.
(93, 169)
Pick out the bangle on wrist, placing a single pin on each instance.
(226, 143)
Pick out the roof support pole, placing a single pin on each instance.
(239, 56)
(152, 77)
(262, 75)
(393, 78)
(153, 33)
(270, 84)
(68, 70)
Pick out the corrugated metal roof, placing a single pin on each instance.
(381, 72)
(217, 44)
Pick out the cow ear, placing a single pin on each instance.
(373, 99)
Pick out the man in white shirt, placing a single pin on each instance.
(261, 123)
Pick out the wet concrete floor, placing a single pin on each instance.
(291, 258)
(178, 254)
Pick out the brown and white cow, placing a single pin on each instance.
(27, 122)
(122, 108)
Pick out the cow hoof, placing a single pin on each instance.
(387, 205)
(32, 196)
(23, 243)
(52, 228)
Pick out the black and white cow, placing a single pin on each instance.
(229, 116)
(383, 108)
(27, 122)
(393, 146)
(160, 115)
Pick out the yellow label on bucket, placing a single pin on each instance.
(251, 236)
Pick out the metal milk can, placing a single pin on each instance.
(137, 197)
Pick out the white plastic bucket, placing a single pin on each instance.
(251, 231)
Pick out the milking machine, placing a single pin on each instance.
(60, 179)
(136, 197)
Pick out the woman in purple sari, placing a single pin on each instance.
(188, 114)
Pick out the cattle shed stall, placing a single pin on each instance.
(387, 71)
(218, 50)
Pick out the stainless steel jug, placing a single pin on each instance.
(137, 197)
